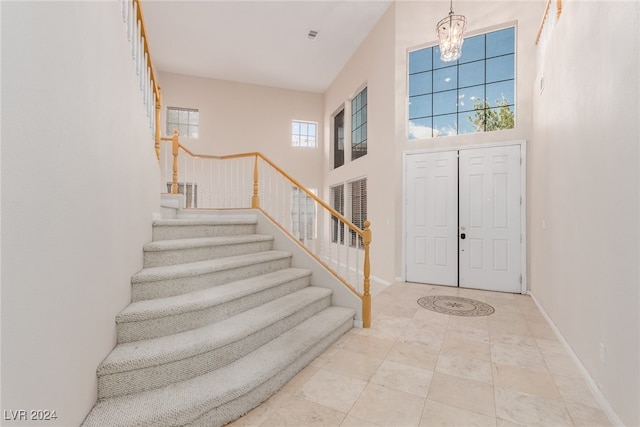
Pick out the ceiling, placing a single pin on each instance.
(260, 42)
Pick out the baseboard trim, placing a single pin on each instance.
(595, 390)
(379, 280)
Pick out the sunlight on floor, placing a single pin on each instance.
(416, 367)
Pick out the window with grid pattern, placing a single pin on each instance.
(304, 134)
(359, 125)
(337, 203)
(186, 120)
(476, 93)
(358, 191)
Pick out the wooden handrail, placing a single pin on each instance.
(544, 16)
(332, 211)
(152, 74)
(255, 204)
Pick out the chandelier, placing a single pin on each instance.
(450, 32)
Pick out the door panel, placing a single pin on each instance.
(432, 218)
(490, 218)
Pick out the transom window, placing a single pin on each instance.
(476, 93)
(186, 120)
(304, 134)
(359, 125)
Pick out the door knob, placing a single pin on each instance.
(463, 236)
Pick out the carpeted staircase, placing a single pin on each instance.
(219, 321)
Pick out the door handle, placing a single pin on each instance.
(463, 236)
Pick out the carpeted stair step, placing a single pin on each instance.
(171, 229)
(166, 281)
(220, 396)
(179, 251)
(145, 365)
(165, 316)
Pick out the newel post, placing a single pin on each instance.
(157, 122)
(255, 200)
(175, 143)
(366, 297)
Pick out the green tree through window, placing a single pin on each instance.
(476, 93)
(487, 119)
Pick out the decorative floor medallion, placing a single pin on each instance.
(456, 306)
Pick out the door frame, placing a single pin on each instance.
(523, 205)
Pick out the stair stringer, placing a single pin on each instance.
(342, 296)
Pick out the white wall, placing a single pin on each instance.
(584, 190)
(239, 118)
(79, 185)
(371, 66)
(381, 64)
(415, 23)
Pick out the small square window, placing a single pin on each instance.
(304, 134)
(186, 120)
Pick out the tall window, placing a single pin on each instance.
(304, 134)
(358, 209)
(186, 120)
(303, 214)
(476, 93)
(337, 203)
(338, 140)
(359, 125)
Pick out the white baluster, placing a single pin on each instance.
(124, 7)
(211, 205)
(165, 159)
(193, 183)
(201, 183)
(185, 179)
(130, 21)
(152, 117)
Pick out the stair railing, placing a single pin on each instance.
(251, 180)
(137, 35)
(547, 25)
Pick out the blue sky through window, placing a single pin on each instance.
(448, 98)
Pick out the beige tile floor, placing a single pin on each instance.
(415, 367)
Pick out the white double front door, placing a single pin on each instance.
(463, 216)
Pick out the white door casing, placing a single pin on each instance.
(432, 218)
(490, 253)
(482, 192)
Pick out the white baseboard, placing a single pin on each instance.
(379, 280)
(595, 390)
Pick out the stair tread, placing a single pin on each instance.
(199, 242)
(199, 300)
(201, 213)
(152, 274)
(157, 351)
(205, 221)
(183, 402)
